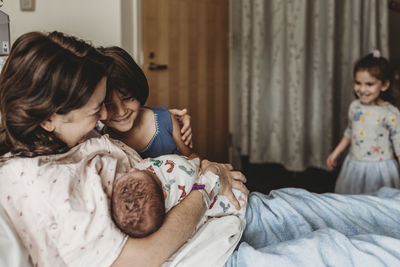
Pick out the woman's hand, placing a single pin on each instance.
(229, 179)
(184, 122)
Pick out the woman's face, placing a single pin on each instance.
(73, 127)
(122, 111)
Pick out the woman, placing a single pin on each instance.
(52, 90)
(56, 191)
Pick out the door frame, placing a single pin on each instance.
(131, 26)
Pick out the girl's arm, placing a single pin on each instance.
(333, 157)
(184, 125)
(176, 135)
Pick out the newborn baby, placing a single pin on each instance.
(141, 197)
(138, 203)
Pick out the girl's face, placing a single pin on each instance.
(122, 111)
(368, 88)
(73, 127)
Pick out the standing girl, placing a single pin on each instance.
(373, 132)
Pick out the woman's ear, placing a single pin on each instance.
(48, 124)
(385, 86)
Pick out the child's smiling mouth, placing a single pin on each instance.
(123, 118)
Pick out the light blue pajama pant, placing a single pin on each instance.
(293, 227)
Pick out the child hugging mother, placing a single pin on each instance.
(55, 186)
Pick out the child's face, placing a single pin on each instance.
(122, 111)
(368, 88)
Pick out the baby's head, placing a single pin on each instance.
(127, 89)
(137, 203)
(372, 78)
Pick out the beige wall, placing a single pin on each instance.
(98, 21)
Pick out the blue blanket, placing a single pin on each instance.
(293, 227)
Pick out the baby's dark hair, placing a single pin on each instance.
(380, 68)
(137, 205)
(125, 75)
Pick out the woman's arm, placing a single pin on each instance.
(178, 226)
(236, 180)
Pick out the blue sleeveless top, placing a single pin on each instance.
(162, 142)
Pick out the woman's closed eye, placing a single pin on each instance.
(97, 112)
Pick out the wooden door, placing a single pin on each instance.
(190, 38)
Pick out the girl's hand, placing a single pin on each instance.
(331, 161)
(184, 122)
(229, 179)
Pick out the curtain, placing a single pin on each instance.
(291, 83)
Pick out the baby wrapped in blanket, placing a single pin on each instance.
(141, 198)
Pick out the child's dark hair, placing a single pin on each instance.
(380, 68)
(124, 73)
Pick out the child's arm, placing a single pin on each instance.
(176, 135)
(332, 158)
(184, 125)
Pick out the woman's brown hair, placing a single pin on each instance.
(44, 74)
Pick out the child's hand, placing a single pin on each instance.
(184, 122)
(331, 161)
